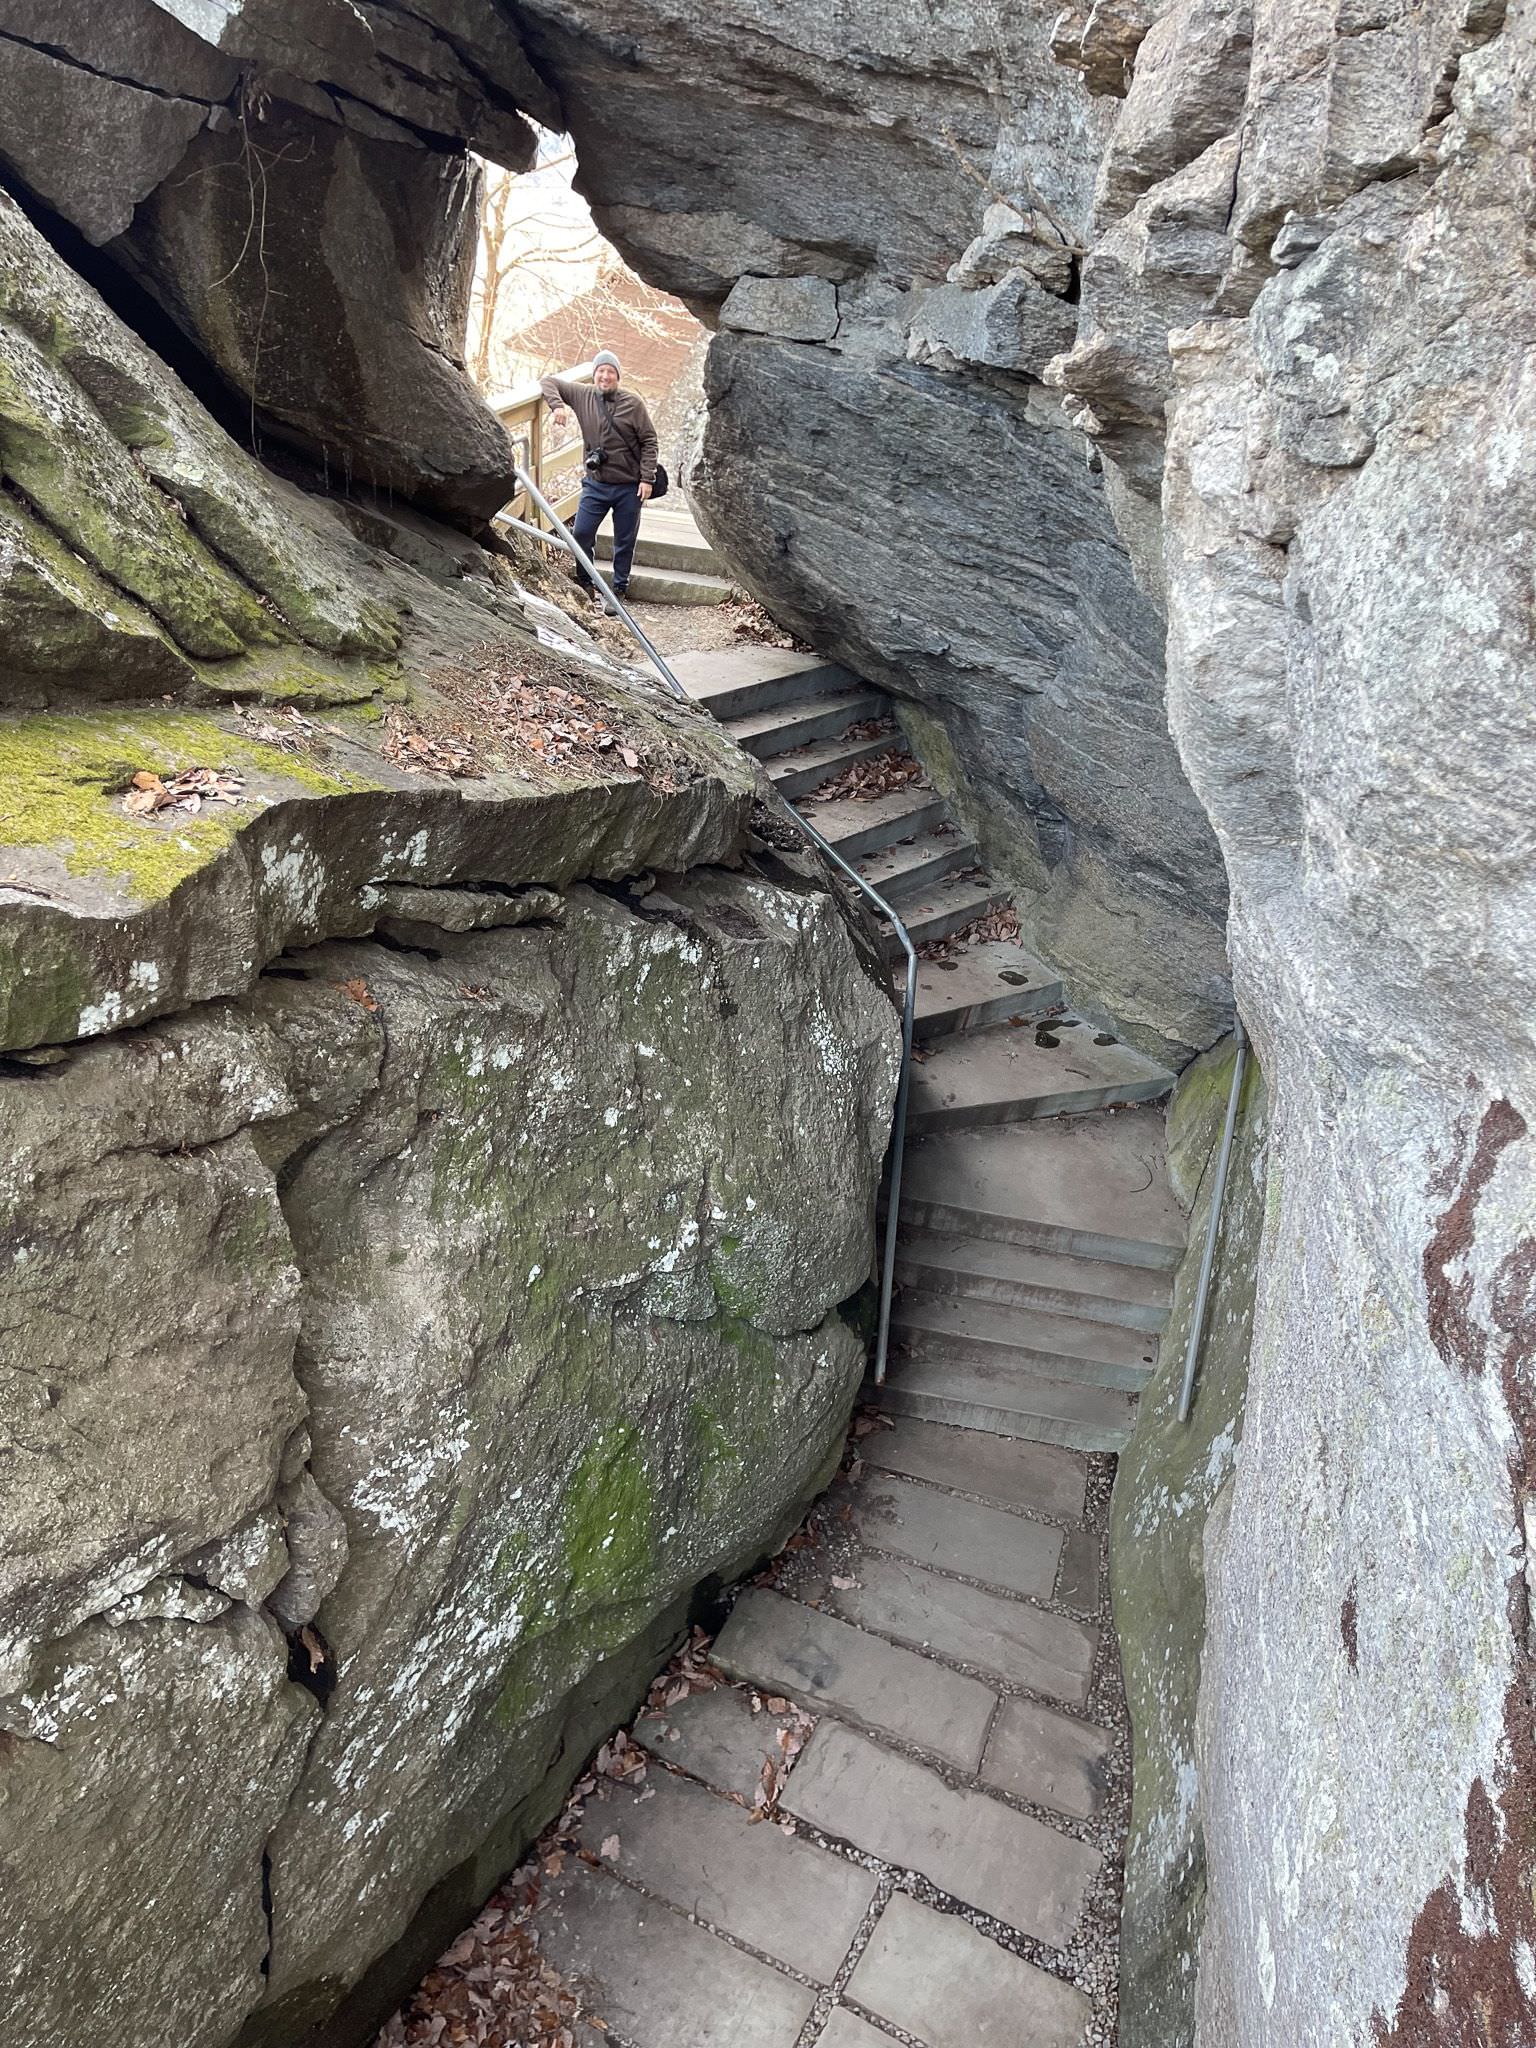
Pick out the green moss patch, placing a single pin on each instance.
(62, 779)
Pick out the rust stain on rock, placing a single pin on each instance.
(1349, 1625)
(1457, 1338)
(1465, 1987)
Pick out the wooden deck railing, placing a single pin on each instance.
(554, 464)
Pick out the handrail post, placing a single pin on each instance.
(909, 998)
(1208, 1258)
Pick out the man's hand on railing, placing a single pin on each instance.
(559, 414)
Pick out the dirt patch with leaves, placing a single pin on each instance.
(521, 709)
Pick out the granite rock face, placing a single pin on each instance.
(1345, 511)
(907, 492)
(461, 1309)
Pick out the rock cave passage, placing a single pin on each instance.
(464, 1576)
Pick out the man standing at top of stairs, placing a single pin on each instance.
(620, 461)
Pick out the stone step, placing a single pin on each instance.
(701, 1854)
(1048, 1759)
(676, 586)
(781, 1646)
(986, 984)
(660, 548)
(1065, 1347)
(1019, 1642)
(944, 1983)
(903, 871)
(856, 825)
(659, 1980)
(824, 715)
(1005, 1076)
(1095, 1187)
(970, 1845)
(948, 907)
(793, 774)
(947, 1534)
(987, 1269)
(733, 682)
(1010, 1401)
(1049, 1481)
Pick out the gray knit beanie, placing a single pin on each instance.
(605, 355)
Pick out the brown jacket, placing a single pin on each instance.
(618, 424)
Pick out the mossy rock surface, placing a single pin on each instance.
(1167, 1481)
(444, 1241)
(107, 918)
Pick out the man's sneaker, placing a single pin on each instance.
(608, 604)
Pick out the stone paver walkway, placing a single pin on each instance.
(940, 1862)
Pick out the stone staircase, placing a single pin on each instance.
(674, 563)
(1038, 1234)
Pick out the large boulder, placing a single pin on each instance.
(453, 1311)
(292, 185)
(325, 271)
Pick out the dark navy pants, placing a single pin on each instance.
(597, 501)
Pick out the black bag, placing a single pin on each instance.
(660, 483)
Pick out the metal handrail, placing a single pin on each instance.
(909, 999)
(1208, 1259)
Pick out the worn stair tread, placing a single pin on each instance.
(946, 908)
(671, 547)
(1011, 1401)
(733, 681)
(1068, 1347)
(825, 715)
(983, 984)
(990, 1269)
(676, 586)
(856, 824)
(1003, 1076)
(1094, 1185)
(901, 871)
(794, 774)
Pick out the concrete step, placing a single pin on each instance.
(904, 871)
(733, 682)
(983, 985)
(1065, 1347)
(825, 715)
(793, 774)
(1095, 1187)
(658, 548)
(1010, 1401)
(1006, 1076)
(857, 825)
(676, 586)
(949, 906)
(1015, 1276)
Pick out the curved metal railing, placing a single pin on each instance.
(562, 536)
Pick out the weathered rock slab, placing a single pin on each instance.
(934, 1976)
(780, 1644)
(970, 1846)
